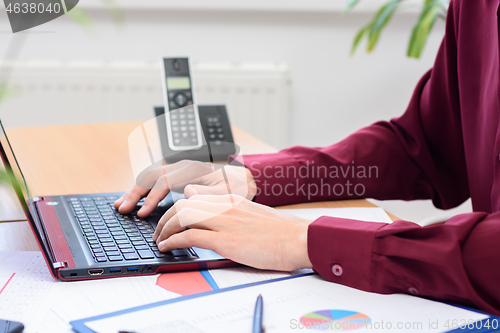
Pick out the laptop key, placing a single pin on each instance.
(110, 248)
(122, 237)
(105, 237)
(99, 254)
(105, 210)
(122, 241)
(115, 258)
(141, 242)
(146, 254)
(142, 247)
(101, 259)
(127, 250)
(180, 253)
(131, 256)
(159, 254)
(112, 253)
(125, 246)
(108, 243)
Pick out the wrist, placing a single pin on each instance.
(303, 253)
(251, 184)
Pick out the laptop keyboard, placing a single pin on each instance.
(112, 236)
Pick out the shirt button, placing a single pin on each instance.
(337, 270)
(413, 291)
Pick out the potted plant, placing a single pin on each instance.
(431, 10)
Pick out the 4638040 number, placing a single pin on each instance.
(33, 8)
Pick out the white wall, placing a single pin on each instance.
(332, 94)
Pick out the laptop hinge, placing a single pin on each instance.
(60, 264)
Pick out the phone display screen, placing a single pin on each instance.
(178, 83)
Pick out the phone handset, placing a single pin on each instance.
(182, 119)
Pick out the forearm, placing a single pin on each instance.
(369, 163)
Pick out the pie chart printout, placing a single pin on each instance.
(335, 320)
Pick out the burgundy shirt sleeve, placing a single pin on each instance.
(417, 156)
(455, 262)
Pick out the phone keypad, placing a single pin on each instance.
(183, 123)
(214, 128)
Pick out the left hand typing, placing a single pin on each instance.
(238, 229)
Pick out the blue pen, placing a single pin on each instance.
(257, 315)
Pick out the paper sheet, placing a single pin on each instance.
(369, 214)
(29, 294)
(289, 305)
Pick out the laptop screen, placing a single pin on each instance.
(21, 188)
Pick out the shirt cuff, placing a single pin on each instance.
(274, 188)
(340, 250)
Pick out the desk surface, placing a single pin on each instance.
(92, 158)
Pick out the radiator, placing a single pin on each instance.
(257, 95)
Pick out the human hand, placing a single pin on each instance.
(202, 178)
(238, 229)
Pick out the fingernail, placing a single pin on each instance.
(154, 237)
(142, 208)
(194, 190)
(162, 245)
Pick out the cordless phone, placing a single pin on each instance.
(182, 119)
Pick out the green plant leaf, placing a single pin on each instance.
(4, 177)
(6, 91)
(358, 38)
(81, 18)
(430, 12)
(116, 12)
(350, 5)
(382, 17)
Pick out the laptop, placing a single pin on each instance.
(83, 237)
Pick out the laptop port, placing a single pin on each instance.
(96, 271)
(133, 269)
(115, 270)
